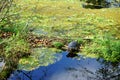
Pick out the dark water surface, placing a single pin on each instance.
(66, 68)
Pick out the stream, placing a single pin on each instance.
(66, 68)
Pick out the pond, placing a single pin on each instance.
(66, 68)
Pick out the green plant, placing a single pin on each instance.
(112, 50)
(80, 40)
(16, 44)
(106, 47)
(58, 44)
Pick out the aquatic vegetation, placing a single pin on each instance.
(39, 57)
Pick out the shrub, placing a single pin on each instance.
(58, 44)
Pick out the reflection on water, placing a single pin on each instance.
(71, 69)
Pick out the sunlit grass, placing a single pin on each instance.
(53, 16)
(67, 19)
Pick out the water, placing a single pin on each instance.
(2, 63)
(66, 68)
(39, 32)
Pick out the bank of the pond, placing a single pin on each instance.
(13, 46)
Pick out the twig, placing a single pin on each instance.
(25, 74)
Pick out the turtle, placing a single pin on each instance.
(73, 47)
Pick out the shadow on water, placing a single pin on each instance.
(66, 68)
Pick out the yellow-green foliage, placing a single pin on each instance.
(67, 19)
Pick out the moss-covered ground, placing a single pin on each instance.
(97, 29)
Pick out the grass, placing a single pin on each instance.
(13, 49)
(14, 46)
(57, 19)
(67, 19)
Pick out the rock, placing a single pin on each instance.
(112, 4)
(102, 4)
(73, 47)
